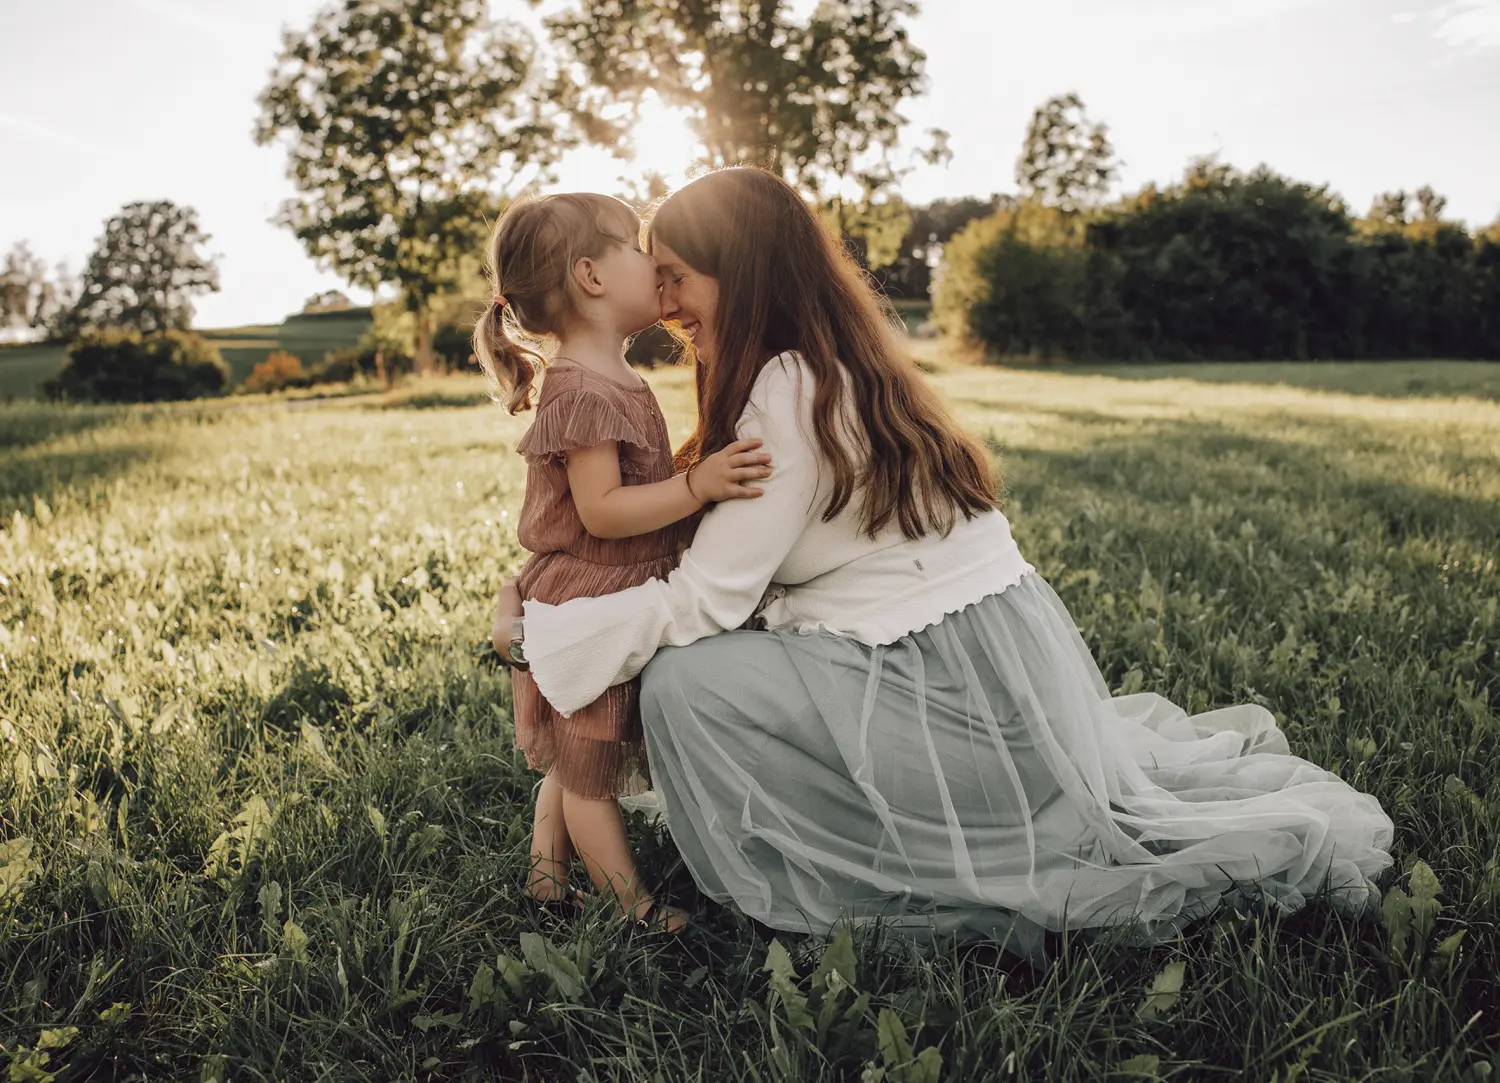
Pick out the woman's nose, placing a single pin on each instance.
(668, 305)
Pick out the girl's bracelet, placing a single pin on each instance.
(688, 478)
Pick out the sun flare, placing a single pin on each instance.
(659, 142)
(663, 143)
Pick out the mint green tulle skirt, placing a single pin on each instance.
(975, 778)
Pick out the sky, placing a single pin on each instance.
(104, 102)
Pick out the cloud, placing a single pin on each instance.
(1470, 22)
(41, 131)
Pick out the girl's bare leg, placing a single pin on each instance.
(598, 834)
(551, 849)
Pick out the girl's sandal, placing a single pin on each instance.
(568, 906)
(662, 919)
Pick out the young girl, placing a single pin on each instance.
(604, 509)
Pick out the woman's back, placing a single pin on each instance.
(836, 578)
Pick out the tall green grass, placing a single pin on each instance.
(261, 816)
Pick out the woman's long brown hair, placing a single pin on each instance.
(786, 284)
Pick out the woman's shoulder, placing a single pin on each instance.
(785, 387)
(785, 384)
(784, 370)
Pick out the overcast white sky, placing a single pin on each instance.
(107, 101)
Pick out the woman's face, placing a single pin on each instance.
(689, 298)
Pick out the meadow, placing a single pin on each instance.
(308, 336)
(261, 817)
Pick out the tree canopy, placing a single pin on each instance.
(145, 270)
(403, 124)
(1066, 160)
(817, 99)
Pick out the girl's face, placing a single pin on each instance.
(629, 278)
(688, 297)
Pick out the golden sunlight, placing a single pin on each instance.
(660, 143)
(663, 142)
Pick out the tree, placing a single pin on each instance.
(909, 275)
(30, 299)
(145, 271)
(1233, 266)
(1066, 162)
(59, 301)
(21, 280)
(1487, 290)
(1389, 210)
(327, 301)
(399, 119)
(817, 100)
(1430, 205)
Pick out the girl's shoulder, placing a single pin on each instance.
(561, 380)
(579, 408)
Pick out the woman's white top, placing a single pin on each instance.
(773, 557)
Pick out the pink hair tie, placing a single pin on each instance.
(500, 301)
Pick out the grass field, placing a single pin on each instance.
(22, 368)
(1388, 379)
(261, 817)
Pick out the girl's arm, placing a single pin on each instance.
(506, 611)
(580, 648)
(610, 509)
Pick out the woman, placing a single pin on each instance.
(913, 731)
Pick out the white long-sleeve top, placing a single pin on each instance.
(773, 556)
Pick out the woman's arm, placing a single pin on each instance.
(580, 648)
(609, 509)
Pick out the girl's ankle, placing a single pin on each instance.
(545, 882)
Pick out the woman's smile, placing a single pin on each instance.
(689, 298)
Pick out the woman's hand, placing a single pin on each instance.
(505, 613)
(722, 476)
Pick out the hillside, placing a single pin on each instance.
(22, 368)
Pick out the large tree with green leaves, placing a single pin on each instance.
(402, 120)
(145, 271)
(1067, 160)
(818, 99)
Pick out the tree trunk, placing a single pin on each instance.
(425, 359)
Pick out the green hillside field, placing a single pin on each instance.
(23, 368)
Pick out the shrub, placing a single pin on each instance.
(339, 367)
(1017, 282)
(375, 356)
(122, 366)
(279, 371)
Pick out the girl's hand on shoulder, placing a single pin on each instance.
(724, 474)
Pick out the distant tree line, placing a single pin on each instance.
(1224, 265)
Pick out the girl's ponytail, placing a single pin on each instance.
(511, 366)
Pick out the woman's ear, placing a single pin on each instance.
(586, 274)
